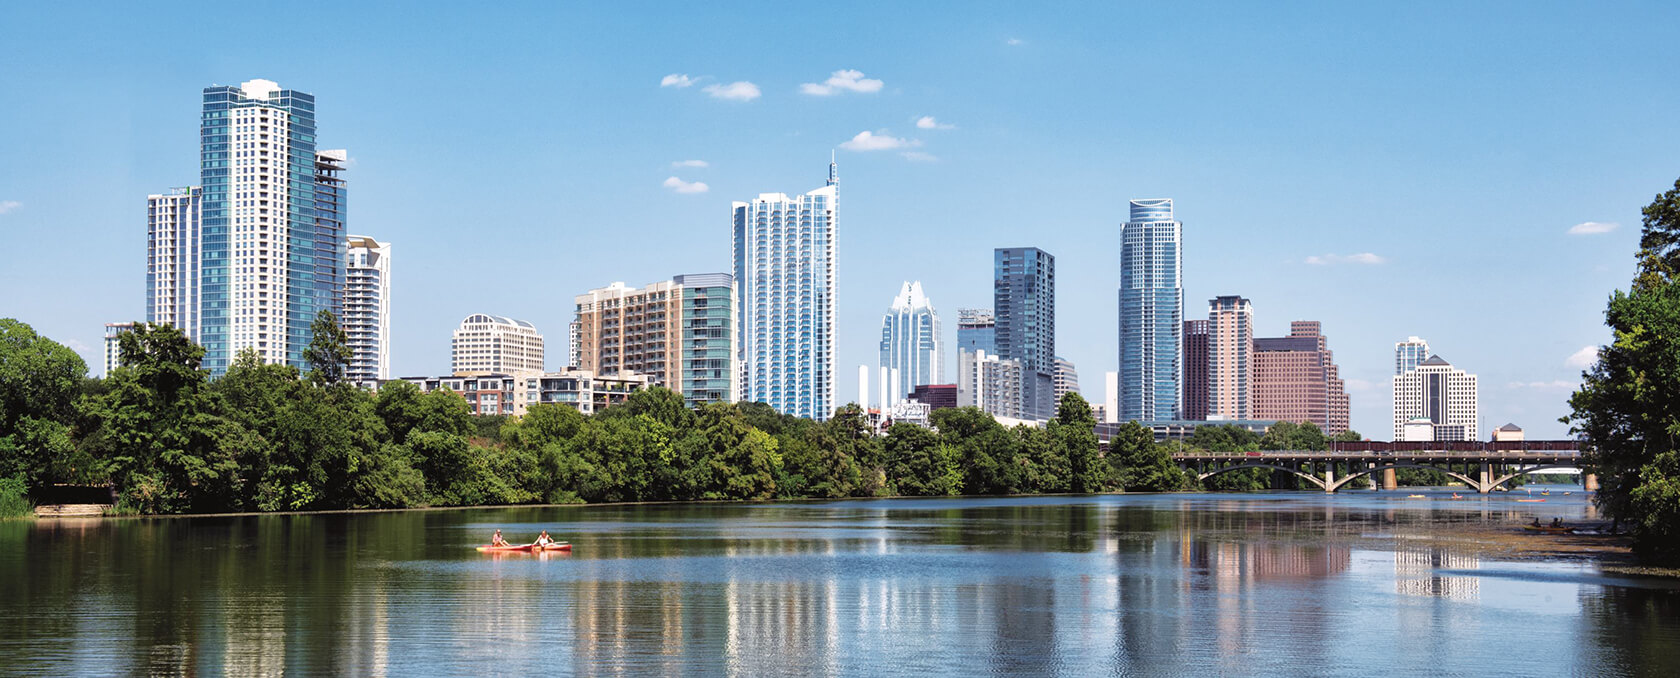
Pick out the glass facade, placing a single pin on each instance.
(910, 342)
(784, 261)
(269, 260)
(708, 338)
(1024, 309)
(1151, 312)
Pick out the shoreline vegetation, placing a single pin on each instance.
(272, 438)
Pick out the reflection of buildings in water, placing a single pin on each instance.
(1229, 564)
(1024, 627)
(779, 627)
(365, 647)
(254, 633)
(1414, 573)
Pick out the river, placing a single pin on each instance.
(1355, 584)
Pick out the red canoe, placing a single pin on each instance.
(526, 548)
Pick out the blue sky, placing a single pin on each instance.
(1388, 170)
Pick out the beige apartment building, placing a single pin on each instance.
(490, 344)
(679, 333)
(1230, 347)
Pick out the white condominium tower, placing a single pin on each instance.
(910, 343)
(272, 252)
(1437, 394)
(784, 275)
(367, 310)
(490, 344)
(172, 242)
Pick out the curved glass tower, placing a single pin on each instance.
(1151, 311)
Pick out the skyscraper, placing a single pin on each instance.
(1230, 347)
(1151, 308)
(367, 310)
(1024, 304)
(113, 345)
(1194, 406)
(1439, 395)
(492, 344)
(910, 341)
(785, 283)
(976, 330)
(1296, 380)
(173, 229)
(271, 252)
(1409, 354)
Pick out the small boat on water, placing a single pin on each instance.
(526, 548)
(1531, 501)
(1415, 496)
(1457, 496)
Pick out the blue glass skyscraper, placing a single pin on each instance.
(1024, 308)
(272, 245)
(1151, 311)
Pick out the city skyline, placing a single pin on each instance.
(1372, 208)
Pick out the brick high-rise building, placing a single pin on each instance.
(1230, 347)
(1296, 380)
(1194, 404)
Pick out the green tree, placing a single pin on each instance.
(1628, 408)
(328, 353)
(988, 453)
(1141, 465)
(39, 382)
(1074, 431)
(919, 463)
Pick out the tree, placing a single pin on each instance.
(39, 381)
(1141, 465)
(1628, 408)
(1074, 431)
(328, 353)
(919, 463)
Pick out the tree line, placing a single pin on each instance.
(267, 437)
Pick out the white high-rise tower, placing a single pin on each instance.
(367, 310)
(784, 272)
(910, 341)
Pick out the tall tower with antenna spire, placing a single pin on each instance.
(784, 250)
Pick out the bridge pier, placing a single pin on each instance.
(1589, 482)
(1389, 481)
(1486, 484)
(1330, 477)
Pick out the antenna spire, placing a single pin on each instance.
(833, 169)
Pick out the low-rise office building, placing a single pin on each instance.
(583, 389)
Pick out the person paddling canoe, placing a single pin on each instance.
(543, 539)
(497, 540)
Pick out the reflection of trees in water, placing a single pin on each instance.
(1415, 573)
(1636, 631)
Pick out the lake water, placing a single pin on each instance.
(1356, 584)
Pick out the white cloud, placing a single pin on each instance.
(1014, 42)
(1366, 258)
(1583, 358)
(870, 141)
(681, 186)
(918, 156)
(928, 122)
(1554, 385)
(691, 163)
(676, 80)
(9, 205)
(78, 346)
(842, 81)
(1593, 228)
(735, 91)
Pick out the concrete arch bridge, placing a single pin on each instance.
(1481, 466)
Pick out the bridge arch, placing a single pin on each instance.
(1397, 465)
(1531, 469)
(1248, 465)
